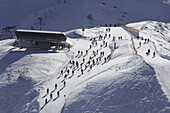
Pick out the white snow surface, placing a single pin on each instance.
(125, 83)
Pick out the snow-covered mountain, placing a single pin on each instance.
(125, 83)
(80, 13)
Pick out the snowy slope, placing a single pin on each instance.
(125, 83)
(158, 33)
(80, 13)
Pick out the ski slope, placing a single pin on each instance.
(126, 82)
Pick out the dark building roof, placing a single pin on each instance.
(38, 35)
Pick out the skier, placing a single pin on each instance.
(103, 42)
(93, 61)
(148, 51)
(55, 86)
(77, 64)
(68, 71)
(113, 38)
(100, 46)
(72, 72)
(90, 46)
(114, 45)
(58, 93)
(90, 58)
(65, 77)
(154, 54)
(81, 71)
(81, 53)
(109, 29)
(70, 61)
(101, 54)
(139, 44)
(69, 47)
(91, 67)
(51, 96)
(106, 44)
(47, 90)
(145, 41)
(89, 62)
(64, 83)
(83, 60)
(73, 62)
(94, 53)
(46, 101)
(86, 52)
(61, 73)
(105, 59)
(97, 52)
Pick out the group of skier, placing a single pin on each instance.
(146, 41)
(88, 60)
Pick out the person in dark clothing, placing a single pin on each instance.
(86, 52)
(46, 101)
(69, 47)
(73, 62)
(61, 73)
(64, 83)
(83, 60)
(81, 71)
(78, 52)
(55, 86)
(93, 61)
(72, 72)
(65, 77)
(89, 62)
(100, 46)
(106, 44)
(51, 96)
(105, 59)
(58, 93)
(47, 90)
(68, 71)
(90, 46)
(77, 64)
(90, 58)
(154, 54)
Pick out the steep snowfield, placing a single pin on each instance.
(13, 11)
(158, 33)
(79, 13)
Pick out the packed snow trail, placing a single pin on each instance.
(133, 80)
(128, 85)
(80, 45)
